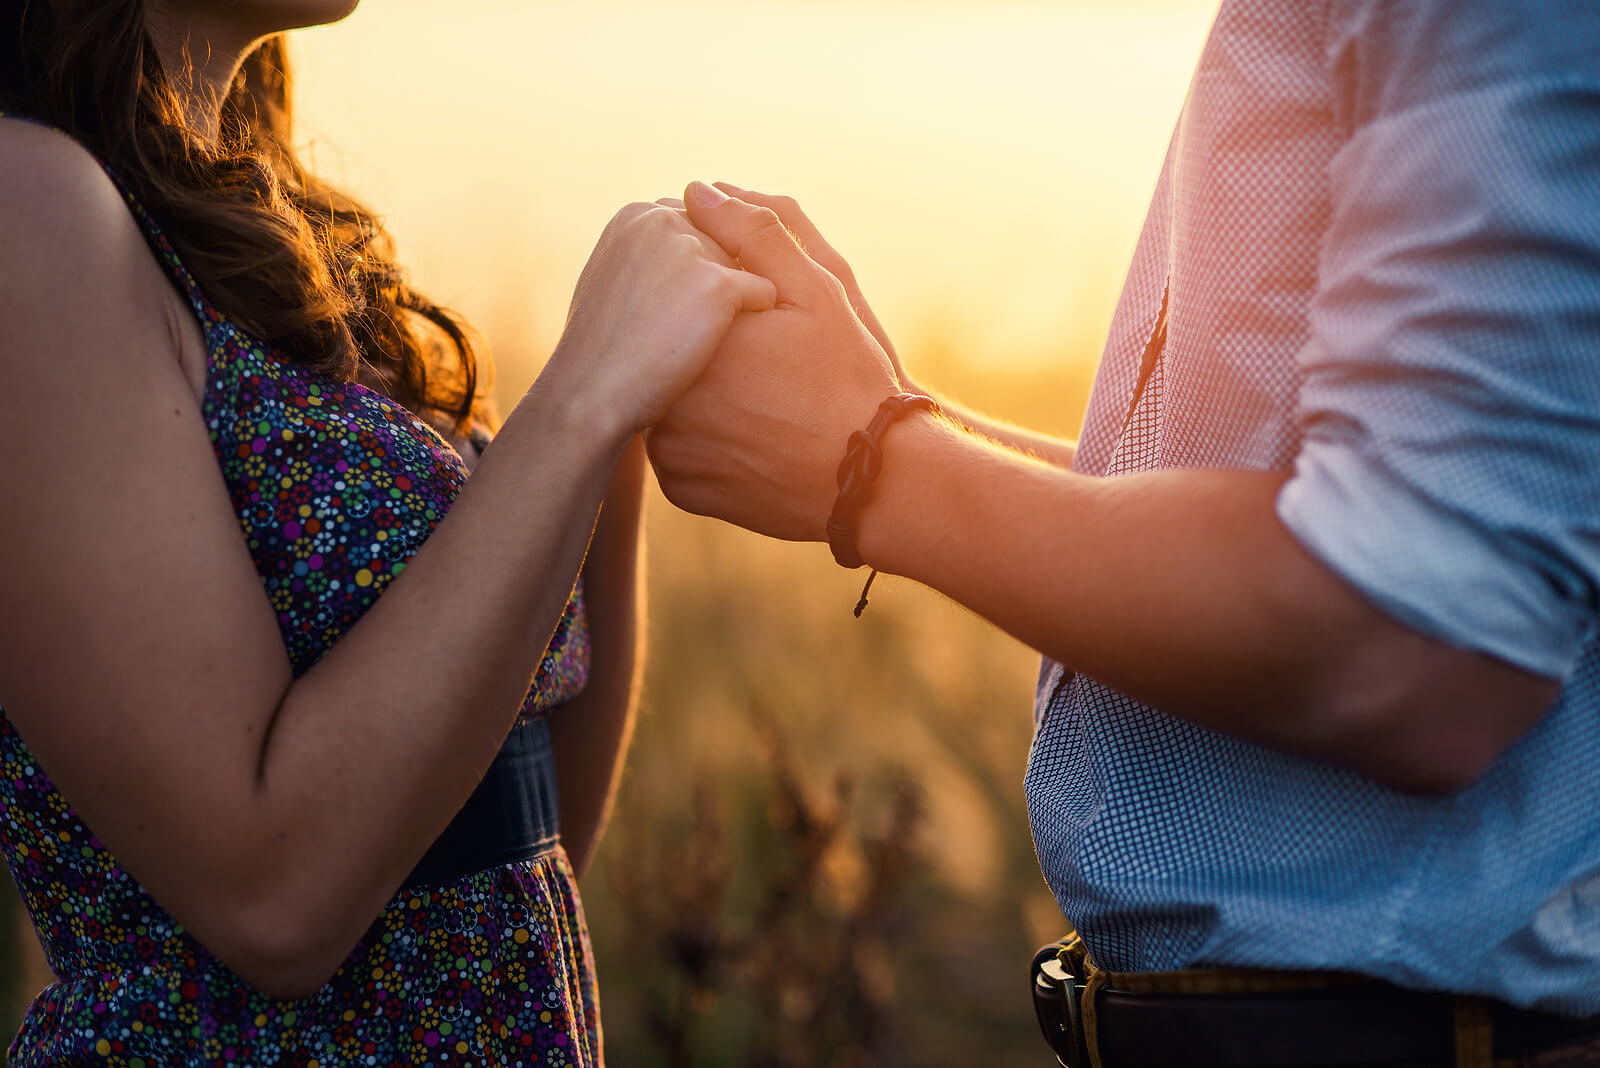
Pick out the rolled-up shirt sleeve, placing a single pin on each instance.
(1450, 400)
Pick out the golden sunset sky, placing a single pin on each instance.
(985, 166)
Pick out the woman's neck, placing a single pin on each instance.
(201, 56)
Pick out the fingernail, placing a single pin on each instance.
(707, 196)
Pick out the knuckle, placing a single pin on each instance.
(708, 276)
(688, 246)
(659, 217)
(763, 218)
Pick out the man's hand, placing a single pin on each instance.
(757, 439)
(827, 257)
(1045, 446)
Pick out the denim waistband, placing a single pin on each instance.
(510, 817)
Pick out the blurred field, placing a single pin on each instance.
(917, 704)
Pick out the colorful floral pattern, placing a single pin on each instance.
(335, 488)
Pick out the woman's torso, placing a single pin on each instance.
(335, 487)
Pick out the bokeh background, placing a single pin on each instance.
(820, 854)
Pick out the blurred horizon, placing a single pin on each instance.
(985, 168)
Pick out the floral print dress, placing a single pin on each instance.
(335, 488)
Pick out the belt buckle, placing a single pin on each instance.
(1057, 1002)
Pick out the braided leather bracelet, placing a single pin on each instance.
(863, 458)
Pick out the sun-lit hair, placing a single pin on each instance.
(289, 258)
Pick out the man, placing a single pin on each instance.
(1318, 587)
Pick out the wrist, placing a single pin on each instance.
(571, 399)
(859, 469)
(590, 431)
(910, 488)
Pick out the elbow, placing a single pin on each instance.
(278, 944)
(1426, 718)
(285, 979)
(1429, 764)
(283, 964)
(284, 983)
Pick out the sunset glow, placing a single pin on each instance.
(985, 166)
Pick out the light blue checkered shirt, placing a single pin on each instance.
(1378, 233)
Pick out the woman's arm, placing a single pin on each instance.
(591, 732)
(141, 661)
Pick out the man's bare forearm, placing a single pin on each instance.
(1057, 452)
(1183, 590)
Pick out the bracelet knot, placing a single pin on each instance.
(863, 460)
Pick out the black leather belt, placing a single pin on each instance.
(510, 817)
(1368, 1023)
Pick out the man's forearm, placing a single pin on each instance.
(1180, 588)
(1183, 590)
(1057, 452)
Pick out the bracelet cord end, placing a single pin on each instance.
(861, 605)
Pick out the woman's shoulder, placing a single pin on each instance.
(51, 186)
(70, 249)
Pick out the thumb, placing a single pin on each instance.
(753, 235)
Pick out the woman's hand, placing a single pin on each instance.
(758, 437)
(650, 307)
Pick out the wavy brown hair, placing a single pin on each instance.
(294, 261)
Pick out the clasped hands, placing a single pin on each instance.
(755, 438)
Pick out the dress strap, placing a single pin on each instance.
(168, 257)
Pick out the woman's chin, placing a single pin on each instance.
(297, 13)
(274, 16)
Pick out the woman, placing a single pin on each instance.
(229, 766)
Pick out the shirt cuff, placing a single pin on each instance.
(1426, 565)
